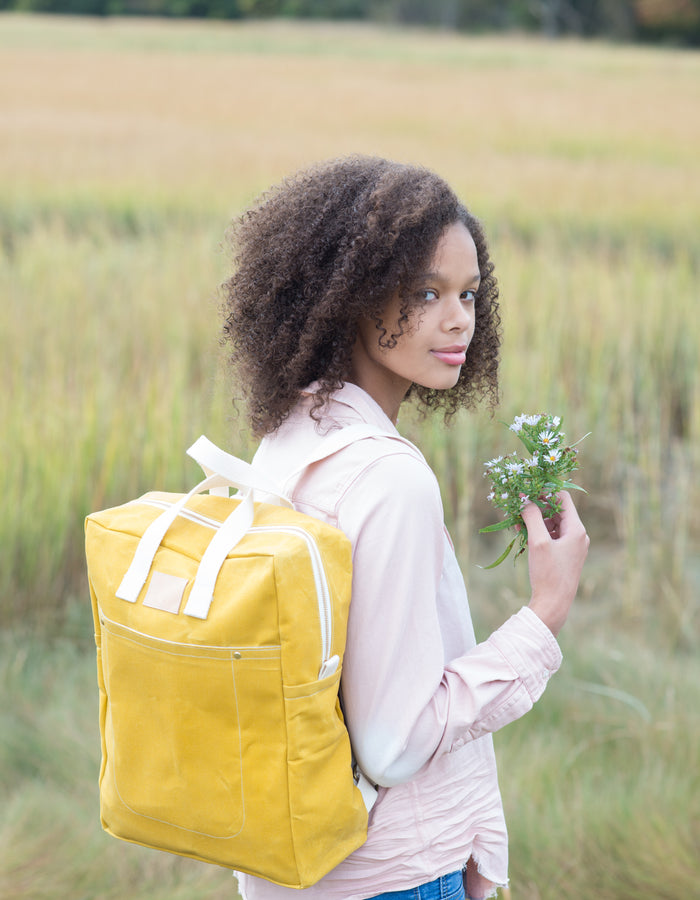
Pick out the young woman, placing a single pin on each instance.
(358, 284)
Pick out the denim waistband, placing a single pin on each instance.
(448, 887)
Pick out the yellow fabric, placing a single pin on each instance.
(219, 741)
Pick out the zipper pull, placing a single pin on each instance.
(329, 667)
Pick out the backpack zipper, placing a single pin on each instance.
(328, 663)
(105, 621)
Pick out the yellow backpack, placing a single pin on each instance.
(220, 630)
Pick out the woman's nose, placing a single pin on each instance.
(460, 315)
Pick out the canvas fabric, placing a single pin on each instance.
(222, 734)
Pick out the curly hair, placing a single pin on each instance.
(326, 248)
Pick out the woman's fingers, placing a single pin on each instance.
(534, 521)
(555, 558)
(569, 517)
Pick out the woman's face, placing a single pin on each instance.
(433, 350)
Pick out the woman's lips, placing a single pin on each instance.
(453, 356)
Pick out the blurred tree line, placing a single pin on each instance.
(671, 21)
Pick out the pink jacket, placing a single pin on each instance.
(421, 697)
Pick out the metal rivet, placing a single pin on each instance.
(237, 655)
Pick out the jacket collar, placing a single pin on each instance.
(360, 402)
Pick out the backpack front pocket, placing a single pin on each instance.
(172, 732)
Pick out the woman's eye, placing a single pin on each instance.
(468, 296)
(430, 296)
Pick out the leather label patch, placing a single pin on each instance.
(165, 592)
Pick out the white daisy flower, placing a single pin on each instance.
(552, 455)
(547, 438)
(515, 468)
(533, 462)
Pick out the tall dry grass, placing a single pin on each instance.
(125, 148)
(128, 147)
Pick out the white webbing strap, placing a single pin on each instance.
(137, 573)
(230, 532)
(238, 473)
(335, 441)
(243, 475)
(224, 471)
(366, 788)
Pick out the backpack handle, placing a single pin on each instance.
(140, 567)
(248, 478)
(223, 471)
(236, 472)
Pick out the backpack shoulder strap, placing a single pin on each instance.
(339, 439)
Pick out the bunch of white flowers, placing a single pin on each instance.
(538, 478)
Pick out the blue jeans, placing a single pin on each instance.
(449, 887)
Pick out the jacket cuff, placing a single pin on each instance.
(531, 648)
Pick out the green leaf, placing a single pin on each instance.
(502, 557)
(531, 446)
(570, 486)
(581, 438)
(499, 526)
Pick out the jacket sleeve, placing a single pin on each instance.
(404, 702)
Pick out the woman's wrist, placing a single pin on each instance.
(549, 613)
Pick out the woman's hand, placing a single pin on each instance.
(557, 549)
(475, 885)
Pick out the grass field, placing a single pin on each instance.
(125, 148)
